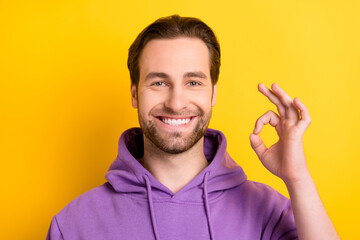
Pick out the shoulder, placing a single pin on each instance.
(260, 189)
(90, 200)
(274, 208)
(82, 216)
(260, 194)
(268, 207)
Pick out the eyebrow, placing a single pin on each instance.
(152, 75)
(195, 74)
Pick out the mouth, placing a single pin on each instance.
(172, 121)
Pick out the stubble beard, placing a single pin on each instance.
(175, 142)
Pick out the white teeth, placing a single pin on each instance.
(176, 122)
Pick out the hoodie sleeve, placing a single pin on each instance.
(54, 231)
(281, 225)
(285, 228)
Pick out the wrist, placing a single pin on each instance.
(299, 180)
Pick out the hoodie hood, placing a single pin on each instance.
(127, 175)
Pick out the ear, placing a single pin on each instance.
(213, 101)
(134, 101)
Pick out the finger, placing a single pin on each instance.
(273, 98)
(258, 145)
(304, 114)
(268, 117)
(290, 111)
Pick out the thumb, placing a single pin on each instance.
(257, 144)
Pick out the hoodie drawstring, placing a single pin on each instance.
(152, 213)
(207, 209)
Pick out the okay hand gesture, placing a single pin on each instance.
(286, 158)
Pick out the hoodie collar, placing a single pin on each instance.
(126, 174)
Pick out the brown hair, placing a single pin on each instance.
(172, 27)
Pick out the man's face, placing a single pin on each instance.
(175, 94)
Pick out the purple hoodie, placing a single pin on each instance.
(219, 203)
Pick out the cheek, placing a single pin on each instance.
(202, 99)
(148, 100)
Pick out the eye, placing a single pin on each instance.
(160, 84)
(193, 83)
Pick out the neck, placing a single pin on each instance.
(174, 170)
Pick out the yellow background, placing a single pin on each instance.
(65, 95)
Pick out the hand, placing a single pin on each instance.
(286, 158)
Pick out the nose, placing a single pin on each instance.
(177, 98)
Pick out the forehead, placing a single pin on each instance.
(174, 56)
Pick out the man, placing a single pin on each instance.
(173, 178)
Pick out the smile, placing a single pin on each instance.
(175, 122)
